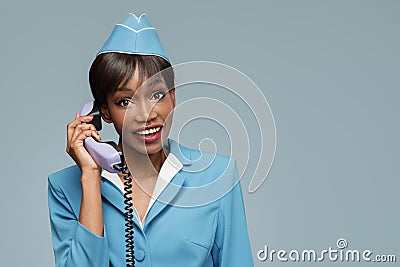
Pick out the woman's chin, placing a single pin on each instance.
(143, 148)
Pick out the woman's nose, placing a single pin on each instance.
(144, 112)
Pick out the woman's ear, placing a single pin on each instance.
(105, 114)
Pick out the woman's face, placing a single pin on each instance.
(148, 109)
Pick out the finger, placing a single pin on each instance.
(79, 120)
(81, 128)
(95, 133)
(77, 142)
(77, 136)
(84, 127)
(84, 134)
(72, 125)
(87, 118)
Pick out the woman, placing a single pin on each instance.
(86, 203)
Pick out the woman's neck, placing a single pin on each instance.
(145, 165)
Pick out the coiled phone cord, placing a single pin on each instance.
(130, 259)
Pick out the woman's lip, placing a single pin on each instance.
(149, 138)
(148, 127)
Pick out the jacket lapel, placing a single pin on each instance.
(115, 197)
(172, 189)
(112, 194)
(166, 197)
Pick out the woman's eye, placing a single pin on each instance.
(123, 102)
(158, 95)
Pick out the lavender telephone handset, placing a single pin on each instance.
(106, 154)
(110, 158)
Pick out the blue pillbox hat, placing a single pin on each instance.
(134, 36)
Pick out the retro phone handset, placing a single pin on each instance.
(110, 157)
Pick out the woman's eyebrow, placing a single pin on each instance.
(124, 89)
(154, 81)
(150, 83)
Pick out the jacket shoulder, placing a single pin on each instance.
(208, 166)
(67, 176)
(66, 183)
(202, 155)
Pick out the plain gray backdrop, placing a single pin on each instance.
(329, 69)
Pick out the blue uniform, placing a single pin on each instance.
(210, 235)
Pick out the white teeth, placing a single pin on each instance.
(151, 131)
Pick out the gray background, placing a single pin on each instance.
(329, 70)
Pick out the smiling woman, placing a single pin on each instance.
(120, 81)
(132, 82)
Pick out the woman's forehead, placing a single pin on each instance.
(136, 83)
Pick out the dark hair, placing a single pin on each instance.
(109, 70)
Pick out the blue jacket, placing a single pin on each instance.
(210, 235)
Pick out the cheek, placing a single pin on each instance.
(166, 109)
(167, 124)
(118, 120)
(118, 128)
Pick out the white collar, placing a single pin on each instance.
(169, 169)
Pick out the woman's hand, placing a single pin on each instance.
(91, 213)
(76, 133)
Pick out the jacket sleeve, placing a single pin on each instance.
(231, 245)
(73, 244)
